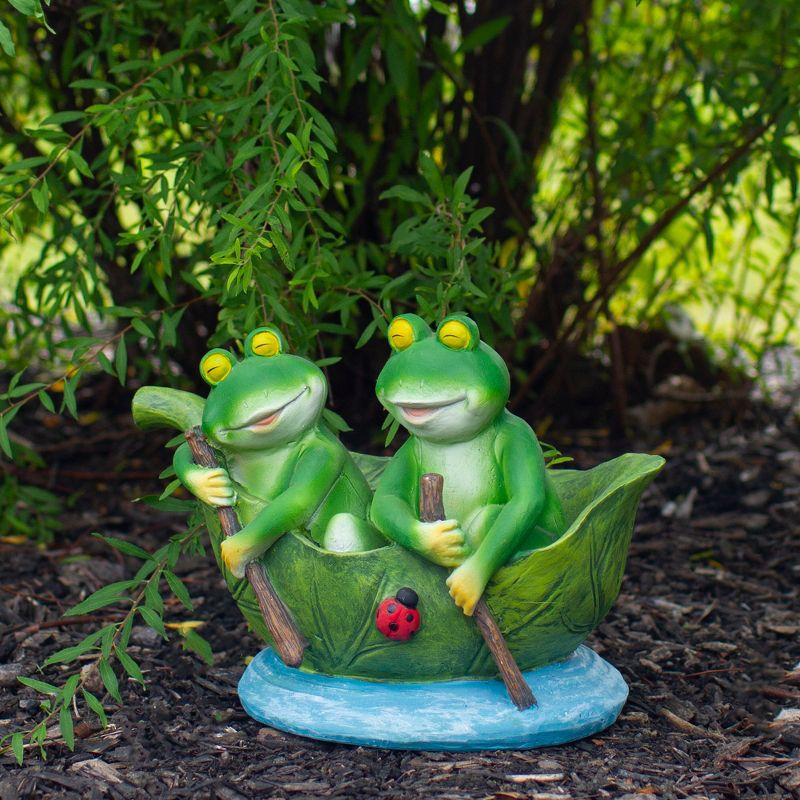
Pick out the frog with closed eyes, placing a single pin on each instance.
(449, 390)
(285, 469)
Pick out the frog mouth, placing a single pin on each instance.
(265, 420)
(419, 413)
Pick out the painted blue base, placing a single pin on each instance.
(576, 698)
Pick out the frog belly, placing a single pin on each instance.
(472, 478)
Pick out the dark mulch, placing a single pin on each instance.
(705, 631)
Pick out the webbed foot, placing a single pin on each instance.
(238, 551)
(466, 585)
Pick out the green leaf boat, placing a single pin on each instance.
(546, 602)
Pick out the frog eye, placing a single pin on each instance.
(401, 334)
(215, 366)
(405, 329)
(458, 333)
(266, 342)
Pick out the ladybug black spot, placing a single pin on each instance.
(392, 608)
(393, 626)
(408, 597)
(409, 617)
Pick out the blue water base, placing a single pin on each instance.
(575, 698)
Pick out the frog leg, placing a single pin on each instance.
(552, 523)
(316, 471)
(347, 533)
(508, 527)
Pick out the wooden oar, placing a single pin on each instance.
(431, 509)
(289, 642)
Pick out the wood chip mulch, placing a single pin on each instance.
(705, 631)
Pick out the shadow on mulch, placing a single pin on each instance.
(705, 631)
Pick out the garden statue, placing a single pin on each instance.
(389, 625)
(285, 469)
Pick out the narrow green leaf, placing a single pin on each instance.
(5, 442)
(335, 421)
(179, 589)
(7, 43)
(121, 360)
(109, 680)
(47, 402)
(39, 686)
(152, 596)
(484, 34)
(17, 743)
(105, 596)
(405, 193)
(65, 724)
(96, 706)
(153, 620)
(197, 644)
(130, 666)
(62, 117)
(129, 548)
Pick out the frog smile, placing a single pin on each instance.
(264, 420)
(422, 412)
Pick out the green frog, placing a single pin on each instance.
(449, 390)
(285, 468)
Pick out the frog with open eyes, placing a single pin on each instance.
(449, 390)
(285, 469)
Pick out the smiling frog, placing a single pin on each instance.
(286, 469)
(450, 390)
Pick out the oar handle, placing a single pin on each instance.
(431, 509)
(289, 641)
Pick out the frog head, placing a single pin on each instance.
(267, 399)
(446, 386)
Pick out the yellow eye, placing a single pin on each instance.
(401, 334)
(266, 343)
(455, 335)
(215, 367)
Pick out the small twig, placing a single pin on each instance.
(27, 630)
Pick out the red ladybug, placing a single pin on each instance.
(397, 617)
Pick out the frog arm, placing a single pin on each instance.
(317, 468)
(393, 509)
(183, 462)
(523, 470)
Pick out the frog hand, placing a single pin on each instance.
(442, 542)
(237, 552)
(466, 585)
(212, 486)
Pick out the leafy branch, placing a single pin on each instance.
(89, 351)
(109, 644)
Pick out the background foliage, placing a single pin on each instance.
(174, 174)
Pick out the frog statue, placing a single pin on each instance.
(285, 468)
(450, 392)
(393, 611)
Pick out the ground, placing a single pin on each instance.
(705, 631)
